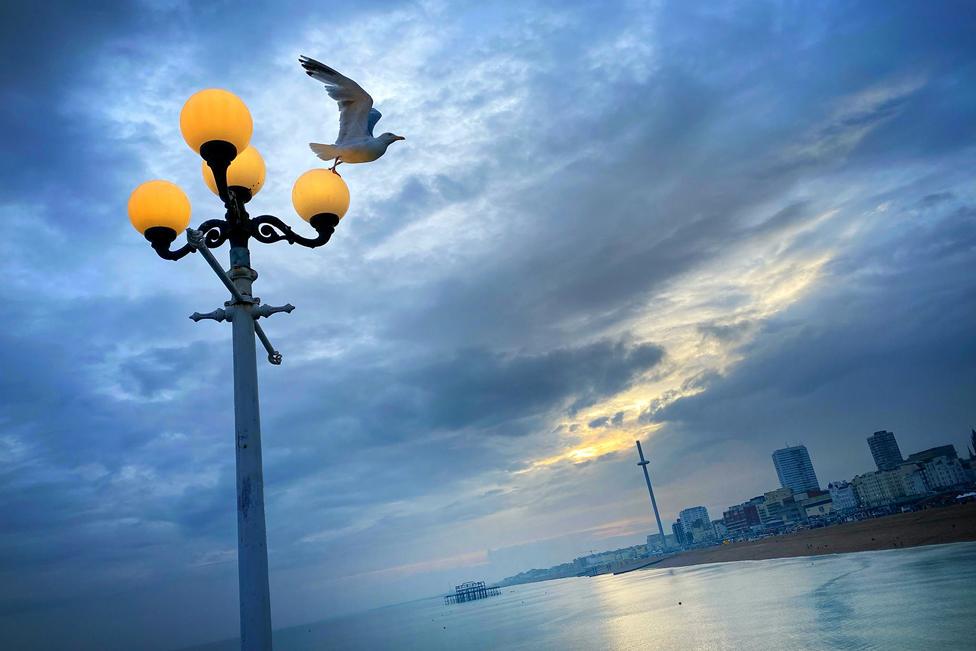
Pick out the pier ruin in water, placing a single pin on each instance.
(470, 591)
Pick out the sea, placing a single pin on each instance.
(918, 598)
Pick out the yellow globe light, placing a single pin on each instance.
(247, 171)
(216, 115)
(157, 204)
(319, 192)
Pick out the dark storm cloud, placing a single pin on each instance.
(633, 146)
(441, 414)
(43, 147)
(486, 389)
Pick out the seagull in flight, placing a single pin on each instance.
(357, 117)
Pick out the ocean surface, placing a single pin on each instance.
(919, 598)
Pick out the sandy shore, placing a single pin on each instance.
(930, 527)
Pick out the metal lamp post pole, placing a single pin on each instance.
(252, 543)
(243, 311)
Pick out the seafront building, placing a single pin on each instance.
(779, 509)
(818, 505)
(743, 519)
(694, 515)
(884, 449)
(794, 469)
(948, 451)
(606, 558)
(696, 526)
(885, 487)
(678, 531)
(843, 496)
(941, 467)
(719, 530)
(941, 473)
(655, 545)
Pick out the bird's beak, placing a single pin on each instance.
(399, 138)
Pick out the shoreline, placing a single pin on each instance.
(935, 526)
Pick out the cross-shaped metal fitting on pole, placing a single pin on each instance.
(268, 310)
(217, 315)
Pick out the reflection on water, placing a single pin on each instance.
(922, 598)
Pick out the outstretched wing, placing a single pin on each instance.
(374, 117)
(355, 104)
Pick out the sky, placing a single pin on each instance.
(715, 227)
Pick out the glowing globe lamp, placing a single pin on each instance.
(247, 172)
(216, 115)
(158, 205)
(320, 192)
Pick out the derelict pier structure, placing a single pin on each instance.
(470, 591)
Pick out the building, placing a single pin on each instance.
(884, 449)
(693, 514)
(932, 453)
(679, 531)
(940, 467)
(794, 469)
(720, 530)
(779, 509)
(609, 557)
(887, 487)
(696, 525)
(970, 463)
(843, 496)
(742, 519)
(654, 545)
(817, 505)
(941, 473)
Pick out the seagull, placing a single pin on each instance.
(357, 117)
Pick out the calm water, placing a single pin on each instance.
(922, 598)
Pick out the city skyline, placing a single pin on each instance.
(712, 228)
(679, 509)
(925, 475)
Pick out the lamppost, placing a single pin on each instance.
(217, 125)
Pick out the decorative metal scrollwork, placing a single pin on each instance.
(215, 232)
(238, 227)
(270, 229)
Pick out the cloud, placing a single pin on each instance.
(711, 229)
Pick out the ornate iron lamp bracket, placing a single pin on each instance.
(269, 229)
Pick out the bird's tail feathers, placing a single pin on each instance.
(325, 152)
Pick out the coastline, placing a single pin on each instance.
(936, 526)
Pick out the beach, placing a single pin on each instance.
(929, 527)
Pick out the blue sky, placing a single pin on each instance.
(718, 228)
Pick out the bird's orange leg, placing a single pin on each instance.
(333, 168)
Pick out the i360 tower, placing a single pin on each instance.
(643, 464)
